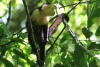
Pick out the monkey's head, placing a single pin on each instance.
(48, 9)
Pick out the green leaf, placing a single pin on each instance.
(93, 64)
(0, 0)
(65, 38)
(6, 62)
(98, 31)
(80, 58)
(32, 63)
(94, 15)
(50, 1)
(58, 65)
(22, 35)
(86, 32)
(44, 66)
(64, 48)
(7, 32)
(63, 58)
(19, 53)
(1, 31)
(93, 45)
(56, 59)
(17, 39)
(98, 1)
(66, 59)
(2, 48)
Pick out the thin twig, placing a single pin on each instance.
(28, 19)
(76, 3)
(7, 43)
(19, 31)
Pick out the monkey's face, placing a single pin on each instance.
(49, 10)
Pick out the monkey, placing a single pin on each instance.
(39, 18)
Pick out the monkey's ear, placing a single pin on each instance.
(44, 6)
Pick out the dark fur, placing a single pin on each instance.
(40, 34)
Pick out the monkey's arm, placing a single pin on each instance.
(56, 23)
(45, 33)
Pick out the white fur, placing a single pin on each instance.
(43, 6)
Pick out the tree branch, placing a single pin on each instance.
(28, 19)
(76, 40)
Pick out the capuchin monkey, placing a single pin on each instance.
(39, 20)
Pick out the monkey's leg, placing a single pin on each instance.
(44, 39)
(45, 33)
(42, 53)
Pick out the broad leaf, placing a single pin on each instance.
(93, 45)
(2, 48)
(98, 31)
(6, 62)
(7, 32)
(19, 53)
(94, 15)
(93, 64)
(80, 58)
(86, 32)
(1, 31)
(58, 65)
(22, 35)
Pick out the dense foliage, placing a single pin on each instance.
(15, 50)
